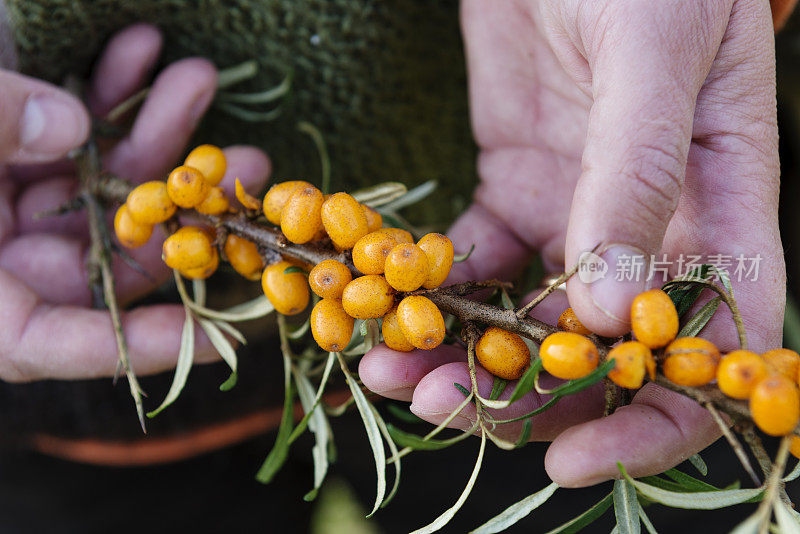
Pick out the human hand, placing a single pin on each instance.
(48, 331)
(650, 125)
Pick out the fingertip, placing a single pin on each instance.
(251, 165)
(436, 396)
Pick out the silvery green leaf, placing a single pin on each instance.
(231, 331)
(395, 459)
(786, 518)
(300, 331)
(184, 365)
(626, 507)
(380, 194)
(261, 97)
(277, 456)
(411, 197)
(517, 511)
(700, 319)
(318, 425)
(508, 304)
(199, 291)
(794, 474)
(646, 521)
(577, 523)
(301, 426)
(697, 461)
(749, 525)
(459, 258)
(253, 309)
(220, 342)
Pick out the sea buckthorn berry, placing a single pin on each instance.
(775, 405)
(392, 333)
(568, 355)
(344, 220)
(503, 353)
(691, 361)
(243, 256)
(783, 361)
(329, 278)
(204, 271)
(654, 318)
(795, 447)
(650, 365)
(186, 187)
(331, 326)
(288, 292)
(399, 235)
(188, 248)
(739, 372)
(569, 322)
(210, 161)
(631, 364)
(277, 197)
(439, 250)
(215, 203)
(421, 322)
(406, 267)
(368, 297)
(301, 216)
(149, 203)
(374, 219)
(130, 233)
(369, 252)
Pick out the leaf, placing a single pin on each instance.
(245, 199)
(697, 461)
(277, 456)
(318, 425)
(626, 507)
(688, 481)
(294, 269)
(516, 512)
(184, 365)
(794, 474)
(506, 300)
(791, 324)
(411, 197)
(668, 485)
(544, 407)
(578, 385)
(231, 331)
(229, 383)
(395, 459)
(694, 325)
(498, 386)
(261, 97)
(748, 526)
(403, 413)
(380, 194)
(301, 426)
(459, 258)
(577, 523)
(253, 309)
(786, 518)
(322, 149)
(199, 291)
(524, 385)
(220, 342)
(648, 525)
(419, 443)
(448, 514)
(298, 332)
(724, 277)
(363, 328)
(464, 391)
(525, 435)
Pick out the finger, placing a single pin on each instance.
(637, 144)
(178, 99)
(123, 67)
(45, 195)
(657, 431)
(38, 122)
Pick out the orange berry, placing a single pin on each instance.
(149, 203)
(344, 220)
(439, 250)
(775, 405)
(329, 278)
(654, 318)
(406, 267)
(569, 322)
(650, 365)
(288, 292)
(691, 361)
(186, 187)
(421, 322)
(568, 355)
(368, 297)
(631, 360)
(243, 256)
(331, 327)
(130, 233)
(215, 203)
(399, 235)
(188, 248)
(301, 217)
(795, 447)
(503, 353)
(210, 161)
(392, 333)
(277, 197)
(739, 372)
(369, 252)
(204, 271)
(374, 219)
(783, 361)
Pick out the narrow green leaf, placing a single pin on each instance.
(325, 161)
(229, 383)
(689, 481)
(578, 385)
(498, 386)
(665, 484)
(748, 526)
(277, 456)
(724, 277)
(363, 328)
(459, 258)
(626, 507)
(648, 525)
(395, 458)
(230, 330)
(697, 461)
(700, 319)
(516, 512)
(794, 474)
(419, 443)
(199, 291)
(220, 343)
(543, 408)
(380, 194)
(184, 365)
(508, 304)
(526, 382)
(301, 426)
(294, 269)
(586, 518)
(525, 435)
(791, 324)
(318, 425)
(402, 413)
(411, 197)
(261, 97)
(464, 391)
(786, 518)
(300, 331)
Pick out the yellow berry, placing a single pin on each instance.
(149, 203)
(783, 361)
(392, 333)
(204, 271)
(243, 256)
(370, 252)
(775, 405)
(569, 322)
(406, 267)
(188, 248)
(186, 187)
(368, 297)
(288, 292)
(503, 353)
(329, 278)
(374, 219)
(739, 372)
(210, 161)
(215, 203)
(331, 326)
(344, 220)
(795, 447)
(277, 197)
(691, 361)
(130, 233)
(654, 318)
(439, 250)
(399, 235)
(301, 216)
(421, 322)
(568, 355)
(631, 363)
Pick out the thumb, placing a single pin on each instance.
(38, 121)
(640, 128)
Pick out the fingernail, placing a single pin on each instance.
(51, 126)
(625, 277)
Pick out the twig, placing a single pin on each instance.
(774, 485)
